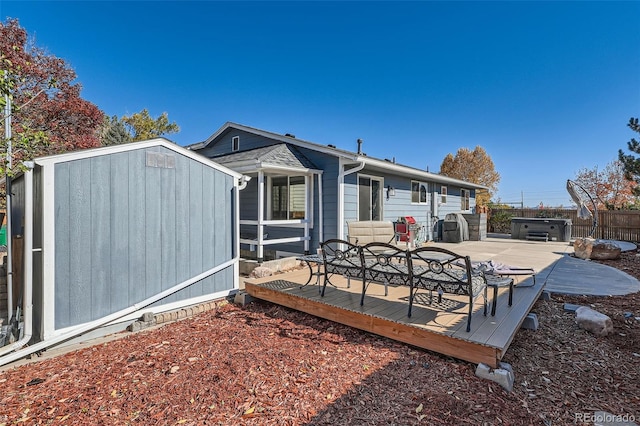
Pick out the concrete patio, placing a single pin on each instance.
(557, 269)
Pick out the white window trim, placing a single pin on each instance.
(235, 144)
(420, 185)
(309, 191)
(465, 198)
(381, 194)
(443, 194)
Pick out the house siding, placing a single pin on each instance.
(248, 141)
(249, 195)
(401, 205)
(125, 231)
(397, 206)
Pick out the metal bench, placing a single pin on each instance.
(425, 268)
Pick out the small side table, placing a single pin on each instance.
(314, 263)
(494, 282)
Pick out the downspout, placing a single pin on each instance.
(244, 181)
(242, 184)
(7, 187)
(27, 302)
(341, 174)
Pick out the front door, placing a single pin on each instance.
(369, 198)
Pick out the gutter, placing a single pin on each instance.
(243, 182)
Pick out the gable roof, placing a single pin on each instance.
(113, 149)
(279, 156)
(348, 156)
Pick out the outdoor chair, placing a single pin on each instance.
(437, 269)
(340, 257)
(383, 263)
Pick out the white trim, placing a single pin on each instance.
(274, 136)
(380, 195)
(307, 189)
(308, 194)
(464, 199)
(235, 143)
(320, 210)
(169, 306)
(288, 222)
(417, 174)
(274, 241)
(236, 234)
(341, 225)
(309, 202)
(88, 153)
(48, 250)
(71, 332)
(420, 186)
(444, 192)
(252, 166)
(260, 230)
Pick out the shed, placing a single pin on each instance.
(112, 232)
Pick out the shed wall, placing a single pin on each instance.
(127, 228)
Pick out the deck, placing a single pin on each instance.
(440, 327)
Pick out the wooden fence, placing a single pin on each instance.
(621, 225)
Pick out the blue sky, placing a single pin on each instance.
(546, 88)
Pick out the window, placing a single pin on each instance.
(369, 198)
(464, 199)
(288, 197)
(235, 143)
(443, 194)
(418, 192)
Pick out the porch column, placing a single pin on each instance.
(320, 211)
(260, 231)
(308, 181)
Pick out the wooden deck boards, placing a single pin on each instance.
(439, 327)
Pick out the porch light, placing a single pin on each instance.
(391, 192)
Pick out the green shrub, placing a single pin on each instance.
(500, 221)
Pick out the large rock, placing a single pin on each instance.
(593, 321)
(605, 251)
(582, 248)
(588, 248)
(261, 272)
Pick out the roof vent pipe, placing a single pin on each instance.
(359, 146)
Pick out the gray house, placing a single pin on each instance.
(112, 232)
(302, 193)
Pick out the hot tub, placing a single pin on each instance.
(546, 229)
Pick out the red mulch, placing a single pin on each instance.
(268, 365)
